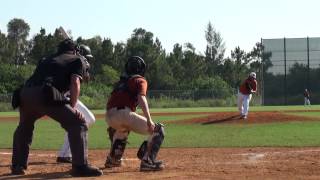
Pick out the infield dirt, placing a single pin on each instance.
(190, 163)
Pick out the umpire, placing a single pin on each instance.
(42, 95)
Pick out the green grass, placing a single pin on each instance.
(49, 135)
(308, 114)
(50, 131)
(13, 113)
(263, 135)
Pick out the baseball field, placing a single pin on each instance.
(275, 142)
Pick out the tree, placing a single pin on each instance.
(107, 52)
(258, 56)
(193, 64)
(143, 44)
(174, 60)
(215, 49)
(108, 77)
(18, 31)
(235, 68)
(43, 45)
(39, 47)
(119, 56)
(4, 48)
(241, 70)
(95, 45)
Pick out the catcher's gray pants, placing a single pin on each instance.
(32, 107)
(124, 120)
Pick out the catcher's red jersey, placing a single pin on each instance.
(248, 86)
(138, 86)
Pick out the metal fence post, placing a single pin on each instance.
(262, 74)
(308, 59)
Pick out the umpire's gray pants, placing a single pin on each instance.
(32, 107)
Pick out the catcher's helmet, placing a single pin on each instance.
(253, 75)
(66, 45)
(85, 51)
(135, 65)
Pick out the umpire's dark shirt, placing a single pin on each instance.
(58, 69)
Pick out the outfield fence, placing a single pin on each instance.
(295, 67)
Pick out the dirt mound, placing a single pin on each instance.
(253, 117)
(219, 117)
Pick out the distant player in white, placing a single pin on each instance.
(306, 95)
(247, 88)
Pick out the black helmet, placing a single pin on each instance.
(135, 65)
(85, 51)
(66, 45)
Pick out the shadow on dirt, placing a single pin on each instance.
(53, 175)
(216, 121)
(5, 165)
(39, 163)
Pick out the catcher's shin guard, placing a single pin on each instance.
(142, 150)
(158, 137)
(117, 151)
(156, 141)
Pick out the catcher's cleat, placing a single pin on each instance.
(85, 171)
(147, 165)
(64, 160)
(111, 162)
(17, 170)
(158, 162)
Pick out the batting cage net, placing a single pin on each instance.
(291, 67)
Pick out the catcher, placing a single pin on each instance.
(128, 93)
(247, 88)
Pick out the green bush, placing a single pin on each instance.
(173, 103)
(5, 106)
(94, 95)
(217, 85)
(11, 76)
(108, 76)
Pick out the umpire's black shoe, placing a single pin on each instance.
(64, 160)
(17, 170)
(85, 171)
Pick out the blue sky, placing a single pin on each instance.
(241, 23)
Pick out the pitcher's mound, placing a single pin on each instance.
(253, 117)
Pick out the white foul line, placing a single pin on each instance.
(53, 155)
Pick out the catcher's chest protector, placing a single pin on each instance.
(123, 86)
